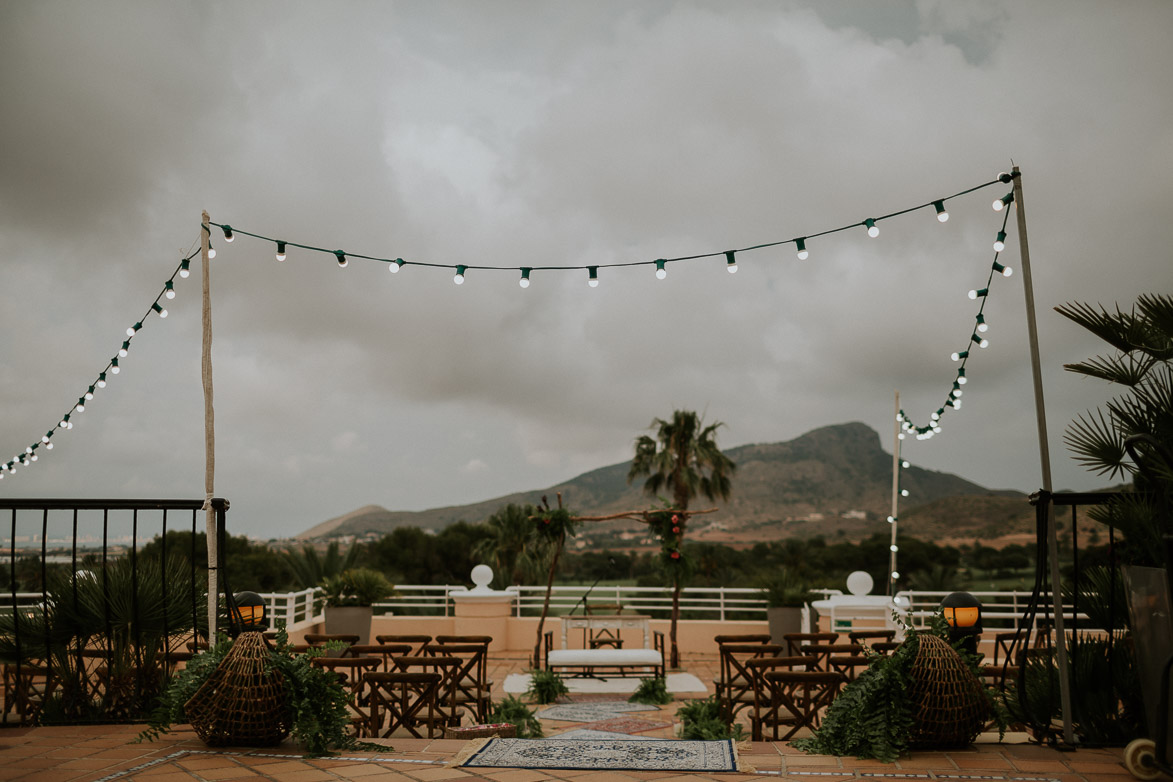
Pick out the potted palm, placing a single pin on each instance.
(785, 593)
(349, 599)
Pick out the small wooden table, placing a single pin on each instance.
(614, 622)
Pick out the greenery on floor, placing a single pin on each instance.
(652, 691)
(515, 712)
(702, 720)
(546, 686)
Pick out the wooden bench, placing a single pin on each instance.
(616, 662)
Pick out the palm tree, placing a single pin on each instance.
(512, 545)
(684, 459)
(309, 568)
(1143, 364)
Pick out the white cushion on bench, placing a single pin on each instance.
(561, 657)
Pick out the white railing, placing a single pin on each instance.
(1000, 610)
(28, 602)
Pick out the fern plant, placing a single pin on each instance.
(546, 687)
(515, 712)
(652, 691)
(701, 720)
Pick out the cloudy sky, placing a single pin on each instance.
(562, 134)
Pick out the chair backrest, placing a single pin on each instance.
(351, 672)
(860, 636)
(795, 641)
(404, 699)
(385, 652)
(417, 641)
(823, 655)
(447, 696)
(464, 639)
(795, 699)
(746, 638)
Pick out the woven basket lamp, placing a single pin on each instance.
(241, 704)
(948, 703)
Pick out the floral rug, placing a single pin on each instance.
(591, 712)
(603, 755)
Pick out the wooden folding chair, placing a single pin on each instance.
(26, 686)
(744, 638)
(418, 642)
(847, 659)
(351, 673)
(795, 641)
(384, 652)
(471, 680)
(868, 637)
(735, 687)
(795, 700)
(447, 691)
(404, 700)
(764, 712)
(821, 654)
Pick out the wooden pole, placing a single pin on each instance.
(209, 435)
(1045, 458)
(895, 496)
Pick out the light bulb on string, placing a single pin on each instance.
(661, 272)
(64, 422)
(982, 326)
(593, 279)
(80, 406)
(980, 341)
(956, 404)
(873, 229)
(905, 464)
(185, 268)
(891, 519)
(1004, 201)
(803, 253)
(459, 278)
(228, 237)
(395, 265)
(730, 262)
(169, 290)
(960, 355)
(524, 281)
(904, 492)
(101, 380)
(342, 261)
(1005, 271)
(46, 436)
(893, 548)
(1000, 242)
(895, 575)
(89, 394)
(211, 250)
(157, 307)
(132, 330)
(122, 351)
(979, 293)
(114, 368)
(961, 378)
(942, 215)
(281, 255)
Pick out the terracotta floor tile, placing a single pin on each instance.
(989, 761)
(169, 775)
(434, 773)
(305, 775)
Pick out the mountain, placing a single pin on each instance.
(832, 480)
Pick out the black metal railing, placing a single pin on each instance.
(101, 599)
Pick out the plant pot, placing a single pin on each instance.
(783, 621)
(350, 620)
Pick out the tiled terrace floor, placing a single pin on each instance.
(109, 753)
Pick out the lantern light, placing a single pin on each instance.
(247, 613)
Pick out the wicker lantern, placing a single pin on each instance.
(963, 612)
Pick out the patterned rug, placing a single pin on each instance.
(591, 712)
(677, 683)
(627, 725)
(578, 734)
(603, 755)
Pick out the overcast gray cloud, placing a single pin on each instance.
(554, 134)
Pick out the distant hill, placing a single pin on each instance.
(833, 480)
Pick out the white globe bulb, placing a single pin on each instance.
(523, 282)
(661, 274)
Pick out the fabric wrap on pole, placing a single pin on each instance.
(209, 434)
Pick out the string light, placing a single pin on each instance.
(122, 351)
(394, 265)
(960, 355)
(1000, 242)
(982, 326)
(1005, 271)
(979, 293)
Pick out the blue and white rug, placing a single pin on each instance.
(604, 755)
(591, 711)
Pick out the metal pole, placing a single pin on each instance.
(895, 495)
(1045, 457)
(209, 435)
